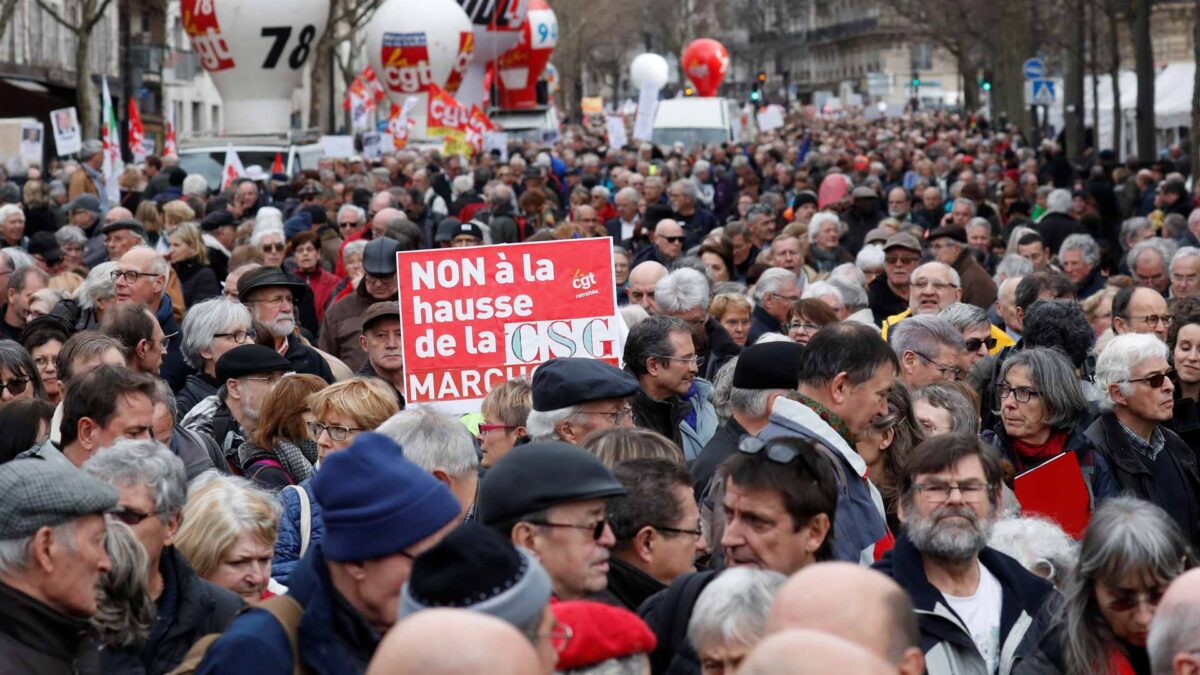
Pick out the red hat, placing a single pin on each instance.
(600, 632)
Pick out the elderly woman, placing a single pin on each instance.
(271, 241)
(125, 611)
(228, 535)
(44, 340)
(730, 617)
(72, 241)
(885, 445)
(1038, 544)
(281, 451)
(1098, 310)
(189, 259)
(341, 412)
(19, 377)
(732, 311)
(210, 329)
(824, 251)
(352, 256)
(806, 317)
(1131, 552)
(1043, 413)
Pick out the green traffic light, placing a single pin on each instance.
(916, 83)
(987, 86)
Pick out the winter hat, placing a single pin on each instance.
(376, 503)
(301, 222)
(475, 568)
(316, 212)
(600, 632)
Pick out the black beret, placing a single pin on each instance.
(538, 475)
(954, 232)
(176, 176)
(246, 360)
(564, 382)
(769, 365)
(216, 220)
(804, 197)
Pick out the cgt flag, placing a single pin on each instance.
(137, 134)
(233, 168)
(447, 117)
(170, 147)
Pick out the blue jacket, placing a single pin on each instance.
(174, 370)
(287, 544)
(332, 637)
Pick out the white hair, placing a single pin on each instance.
(542, 425)
(870, 258)
(1115, 364)
(1059, 201)
(681, 291)
(1185, 252)
(268, 213)
(461, 185)
(195, 184)
(1159, 246)
(819, 288)
(954, 278)
(732, 610)
(850, 274)
(601, 191)
(360, 216)
(262, 229)
(1011, 266)
(432, 440)
(1085, 244)
(771, 281)
(1038, 544)
(19, 257)
(136, 462)
(98, 285)
(11, 210)
(820, 220)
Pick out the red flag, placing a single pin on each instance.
(372, 83)
(277, 165)
(446, 116)
(169, 145)
(358, 90)
(137, 134)
(477, 125)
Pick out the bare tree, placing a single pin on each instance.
(1143, 56)
(90, 13)
(1112, 13)
(347, 19)
(588, 35)
(1195, 135)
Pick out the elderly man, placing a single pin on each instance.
(1137, 309)
(141, 278)
(22, 284)
(979, 237)
(121, 235)
(932, 287)
(808, 652)
(443, 447)
(269, 294)
(661, 353)
(573, 397)
(899, 206)
(929, 349)
(381, 340)
(690, 213)
(760, 221)
(961, 213)
(621, 226)
(668, 242)
(52, 532)
(12, 226)
(1148, 460)
(975, 607)
(643, 279)
(1079, 257)
(949, 246)
(380, 512)
(787, 252)
(152, 484)
(1006, 307)
(889, 292)
(342, 326)
(1185, 272)
(774, 294)
(684, 294)
(431, 643)
(1147, 261)
(1176, 627)
(550, 498)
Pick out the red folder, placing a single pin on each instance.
(1055, 490)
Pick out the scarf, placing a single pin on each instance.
(826, 415)
(1028, 455)
(297, 459)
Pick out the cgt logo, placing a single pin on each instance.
(446, 114)
(406, 62)
(583, 281)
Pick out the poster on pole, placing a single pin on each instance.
(67, 137)
(643, 124)
(615, 125)
(473, 318)
(31, 141)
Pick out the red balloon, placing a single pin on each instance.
(706, 61)
(518, 69)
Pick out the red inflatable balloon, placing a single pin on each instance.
(518, 69)
(706, 61)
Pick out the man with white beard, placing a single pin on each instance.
(268, 293)
(976, 607)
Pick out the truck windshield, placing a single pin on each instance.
(690, 136)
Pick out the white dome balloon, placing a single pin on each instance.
(498, 25)
(649, 68)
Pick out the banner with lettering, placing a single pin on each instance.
(475, 317)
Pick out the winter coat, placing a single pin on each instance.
(35, 638)
(199, 283)
(188, 609)
(287, 543)
(629, 585)
(196, 388)
(978, 288)
(761, 322)
(174, 370)
(199, 453)
(343, 325)
(1096, 474)
(721, 348)
(1056, 227)
(668, 417)
(305, 359)
(667, 613)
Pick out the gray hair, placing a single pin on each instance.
(1038, 544)
(733, 608)
(953, 273)
(627, 194)
(1131, 227)
(1184, 252)
(722, 389)
(70, 234)
(542, 424)
(195, 184)
(854, 296)
(89, 149)
(681, 291)
(355, 247)
(205, 319)
(19, 257)
(10, 210)
(964, 418)
(633, 664)
(1085, 244)
(463, 184)
(771, 281)
(924, 334)
(1115, 364)
(819, 220)
(688, 188)
(14, 553)
(967, 202)
(125, 611)
(1012, 266)
(818, 288)
(1053, 374)
(965, 317)
(1162, 247)
(848, 274)
(98, 285)
(979, 222)
(432, 440)
(1016, 235)
(601, 191)
(360, 216)
(131, 462)
(870, 257)
(760, 209)
(1125, 536)
(752, 402)
(1059, 201)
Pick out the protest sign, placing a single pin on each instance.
(643, 124)
(67, 137)
(615, 125)
(31, 141)
(473, 318)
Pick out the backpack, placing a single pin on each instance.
(284, 609)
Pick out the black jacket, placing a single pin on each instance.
(762, 322)
(1092, 284)
(667, 613)
(1185, 420)
(629, 585)
(368, 370)
(37, 639)
(723, 444)
(1055, 227)
(198, 452)
(305, 359)
(196, 388)
(883, 301)
(721, 348)
(661, 416)
(199, 283)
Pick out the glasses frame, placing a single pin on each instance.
(990, 342)
(132, 517)
(973, 494)
(248, 335)
(335, 430)
(1149, 379)
(698, 532)
(1004, 389)
(24, 381)
(1165, 319)
(942, 368)
(126, 274)
(596, 529)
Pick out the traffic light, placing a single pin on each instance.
(755, 94)
(916, 83)
(985, 82)
(688, 91)
(762, 76)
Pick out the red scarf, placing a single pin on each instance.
(1028, 455)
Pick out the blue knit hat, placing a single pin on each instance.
(376, 503)
(301, 222)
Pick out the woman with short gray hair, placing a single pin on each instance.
(730, 617)
(210, 329)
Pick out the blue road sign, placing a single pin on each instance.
(1034, 69)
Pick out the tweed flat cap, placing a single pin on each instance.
(37, 493)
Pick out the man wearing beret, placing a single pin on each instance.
(550, 498)
(573, 397)
(380, 512)
(219, 234)
(52, 532)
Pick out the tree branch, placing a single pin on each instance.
(55, 15)
(91, 23)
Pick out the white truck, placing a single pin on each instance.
(701, 121)
(206, 155)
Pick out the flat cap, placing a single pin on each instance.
(769, 365)
(124, 224)
(903, 240)
(542, 474)
(246, 360)
(564, 382)
(878, 235)
(380, 310)
(863, 192)
(216, 220)
(954, 232)
(264, 277)
(379, 257)
(84, 202)
(37, 493)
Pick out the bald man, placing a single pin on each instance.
(880, 619)
(666, 243)
(642, 280)
(431, 643)
(809, 652)
(1175, 630)
(117, 213)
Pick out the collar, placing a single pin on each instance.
(798, 414)
(1147, 448)
(827, 416)
(38, 626)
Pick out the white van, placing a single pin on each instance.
(206, 156)
(695, 120)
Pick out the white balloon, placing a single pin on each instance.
(412, 44)
(497, 29)
(649, 68)
(255, 52)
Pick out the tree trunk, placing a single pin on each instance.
(970, 83)
(320, 112)
(1073, 87)
(84, 98)
(1094, 69)
(1143, 54)
(1008, 90)
(1194, 150)
(1114, 72)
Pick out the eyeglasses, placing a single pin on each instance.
(974, 344)
(560, 635)
(616, 416)
(938, 285)
(937, 493)
(165, 341)
(674, 530)
(1155, 319)
(901, 259)
(689, 360)
(484, 428)
(241, 336)
(1021, 394)
(16, 386)
(789, 298)
(596, 528)
(44, 361)
(800, 325)
(336, 431)
(130, 276)
(273, 248)
(673, 240)
(277, 300)
(1155, 381)
(1123, 601)
(780, 453)
(132, 517)
(953, 371)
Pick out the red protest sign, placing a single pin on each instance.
(473, 318)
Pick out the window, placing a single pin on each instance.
(922, 56)
(216, 119)
(197, 117)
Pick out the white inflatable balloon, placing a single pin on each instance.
(649, 68)
(498, 25)
(255, 52)
(412, 44)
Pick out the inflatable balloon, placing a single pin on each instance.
(412, 44)
(255, 52)
(497, 25)
(705, 61)
(520, 67)
(649, 69)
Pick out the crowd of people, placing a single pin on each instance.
(849, 343)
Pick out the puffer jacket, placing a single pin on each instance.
(287, 544)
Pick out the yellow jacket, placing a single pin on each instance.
(1002, 338)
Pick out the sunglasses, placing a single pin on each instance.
(1155, 381)
(132, 517)
(974, 344)
(673, 240)
(273, 248)
(16, 386)
(780, 453)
